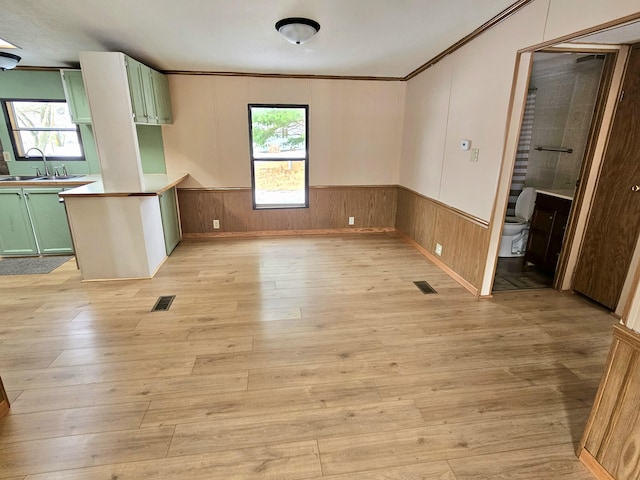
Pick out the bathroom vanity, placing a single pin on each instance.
(548, 224)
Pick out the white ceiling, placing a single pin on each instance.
(386, 38)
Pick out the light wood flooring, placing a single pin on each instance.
(294, 358)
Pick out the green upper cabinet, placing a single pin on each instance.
(136, 90)
(76, 96)
(16, 233)
(162, 97)
(49, 220)
(149, 92)
(149, 95)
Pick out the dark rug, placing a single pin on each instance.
(512, 274)
(31, 265)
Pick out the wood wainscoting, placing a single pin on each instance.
(464, 238)
(610, 446)
(423, 221)
(374, 208)
(4, 400)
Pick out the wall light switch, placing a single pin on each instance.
(438, 249)
(465, 145)
(6, 156)
(474, 154)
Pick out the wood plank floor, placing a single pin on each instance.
(294, 357)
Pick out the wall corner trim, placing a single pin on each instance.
(593, 466)
(503, 15)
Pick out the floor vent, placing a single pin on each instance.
(424, 287)
(163, 303)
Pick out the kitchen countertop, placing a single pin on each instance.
(567, 193)
(154, 184)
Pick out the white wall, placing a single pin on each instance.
(466, 96)
(355, 128)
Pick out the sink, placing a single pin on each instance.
(19, 178)
(57, 177)
(23, 178)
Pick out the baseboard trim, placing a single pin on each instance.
(287, 233)
(593, 466)
(439, 263)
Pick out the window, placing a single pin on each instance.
(43, 124)
(279, 155)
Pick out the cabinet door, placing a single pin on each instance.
(162, 97)
(148, 93)
(16, 234)
(76, 96)
(539, 235)
(136, 90)
(170, 221)
(49, 220)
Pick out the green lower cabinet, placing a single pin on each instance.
(170, 221)
(32, 222)
(49, 219)
(16, 233)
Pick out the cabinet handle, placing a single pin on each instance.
(635, 188)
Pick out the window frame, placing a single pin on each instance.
(253, 159)
(12, 129)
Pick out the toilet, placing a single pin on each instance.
(516, 229)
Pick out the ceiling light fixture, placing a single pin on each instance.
(297, 30)
(8, 60)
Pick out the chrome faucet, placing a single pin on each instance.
(44, 159)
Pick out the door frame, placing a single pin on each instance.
(599, 134)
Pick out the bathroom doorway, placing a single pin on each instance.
(557, 124)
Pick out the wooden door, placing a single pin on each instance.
(614, 221)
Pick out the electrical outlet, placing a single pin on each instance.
(475, 152)
(6, 156)
(438, 249)
(216, 224)
(352, 220)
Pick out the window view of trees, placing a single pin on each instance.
(45, 125)
(279, 156)
(278, 130)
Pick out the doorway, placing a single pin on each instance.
(553, 145)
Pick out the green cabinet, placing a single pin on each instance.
(16, 232)
(76, 96)
(170, 220)
(136, 90)
(149, 91)
(162, 97)
(33, 221)
(49, 220)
